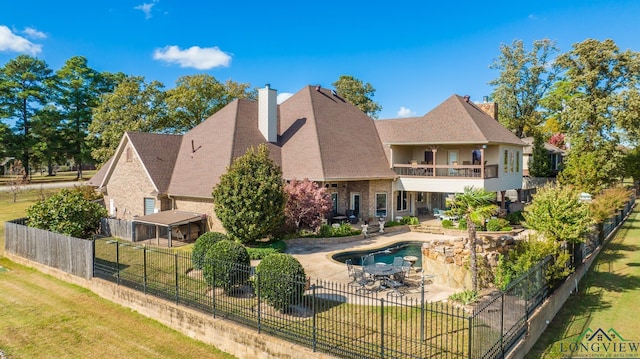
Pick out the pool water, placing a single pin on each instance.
(384, 255)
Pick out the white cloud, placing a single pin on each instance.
(533, 17)
(197, 57)
(282, 97)
(12, 42)
(146, 8)
(405, 112)
(34, 34)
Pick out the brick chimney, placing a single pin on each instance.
(268, 113)
(490, 108)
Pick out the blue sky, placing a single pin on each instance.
(414, 53)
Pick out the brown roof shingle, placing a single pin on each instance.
(455, 121)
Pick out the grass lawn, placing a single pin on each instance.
(607, 299)
(59, 177)
(44, 317)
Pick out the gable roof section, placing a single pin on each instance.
(157, 153)
(455, 121)
(547, 146)
(325, 138)
(96, 179)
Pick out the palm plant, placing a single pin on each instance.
(474, 205)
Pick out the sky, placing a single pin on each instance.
(415, 54)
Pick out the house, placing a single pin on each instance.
(556, 156)
(372, 168)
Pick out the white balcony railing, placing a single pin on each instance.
(458, 171)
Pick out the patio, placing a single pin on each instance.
(315, 255)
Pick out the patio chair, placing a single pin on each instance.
(394, 285)
(357, 276)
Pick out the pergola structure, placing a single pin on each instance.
(171, 220)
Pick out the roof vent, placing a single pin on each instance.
(318, 88)
(334, 93)
(467, 98)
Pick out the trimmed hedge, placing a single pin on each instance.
(263, 250)
(202, 245)
(281, 280)
(226, 265)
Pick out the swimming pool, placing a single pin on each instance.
(384, 255)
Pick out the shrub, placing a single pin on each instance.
(281, 280)
(202, 245)
(226, 264)
(261, 251)
(410, 220)
(67, 212)
(392, 224)
(307, 203)
(515, 217)
(325, 231)
(447, 223)
(497, 224)
(462, 224)
(465, 297)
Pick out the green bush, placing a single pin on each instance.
(410, 220)
(344, 230)
(392, 224)
(497, 224)
(515, 218)
(67, 212)
(281, 280)
(325, 231)
(447, 223)
(226, 265)
(261, 251)
(466, 297)
(202, 245)
(462, 224)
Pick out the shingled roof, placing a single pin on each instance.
(320, 137)
(455, 121)
(157, 153)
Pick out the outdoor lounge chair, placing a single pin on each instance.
(357, 276)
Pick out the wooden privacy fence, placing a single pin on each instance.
(121, 228)
(69, 254)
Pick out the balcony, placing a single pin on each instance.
(446, 171)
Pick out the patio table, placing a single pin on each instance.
(382, 272)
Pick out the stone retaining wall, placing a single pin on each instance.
(448, 259)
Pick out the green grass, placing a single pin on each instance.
(41, 317)
(607, 297)
(59, 177)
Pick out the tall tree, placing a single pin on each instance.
(250, 199)
(134, 105)
(197, 97)
(50, 145)
(525, 78)
(475, 206)
(24, 84)
(78, 92)
(598, 100)
(358, 93)
(540, 163)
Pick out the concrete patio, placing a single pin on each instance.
(315, 256)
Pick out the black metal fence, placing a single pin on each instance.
(330, 317)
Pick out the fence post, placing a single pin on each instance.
(470, 346)
(144, 268)
(422, 310)
(118, 262)
(177, 286)
(259, 302)
(502, 324)
(313, 309)
(381, 327)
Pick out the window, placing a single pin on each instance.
(517, 161)
(511, 161)
(381, 205)
(401, 201)
(334, 200)
(129, 154)
(420, 196)
(506, 161)
(149, 205)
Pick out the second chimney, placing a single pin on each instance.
(268, 113)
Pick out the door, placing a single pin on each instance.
(355, 204)
(453, 161)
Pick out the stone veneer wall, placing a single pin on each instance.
(448, 259)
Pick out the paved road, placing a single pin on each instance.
(66, 184)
